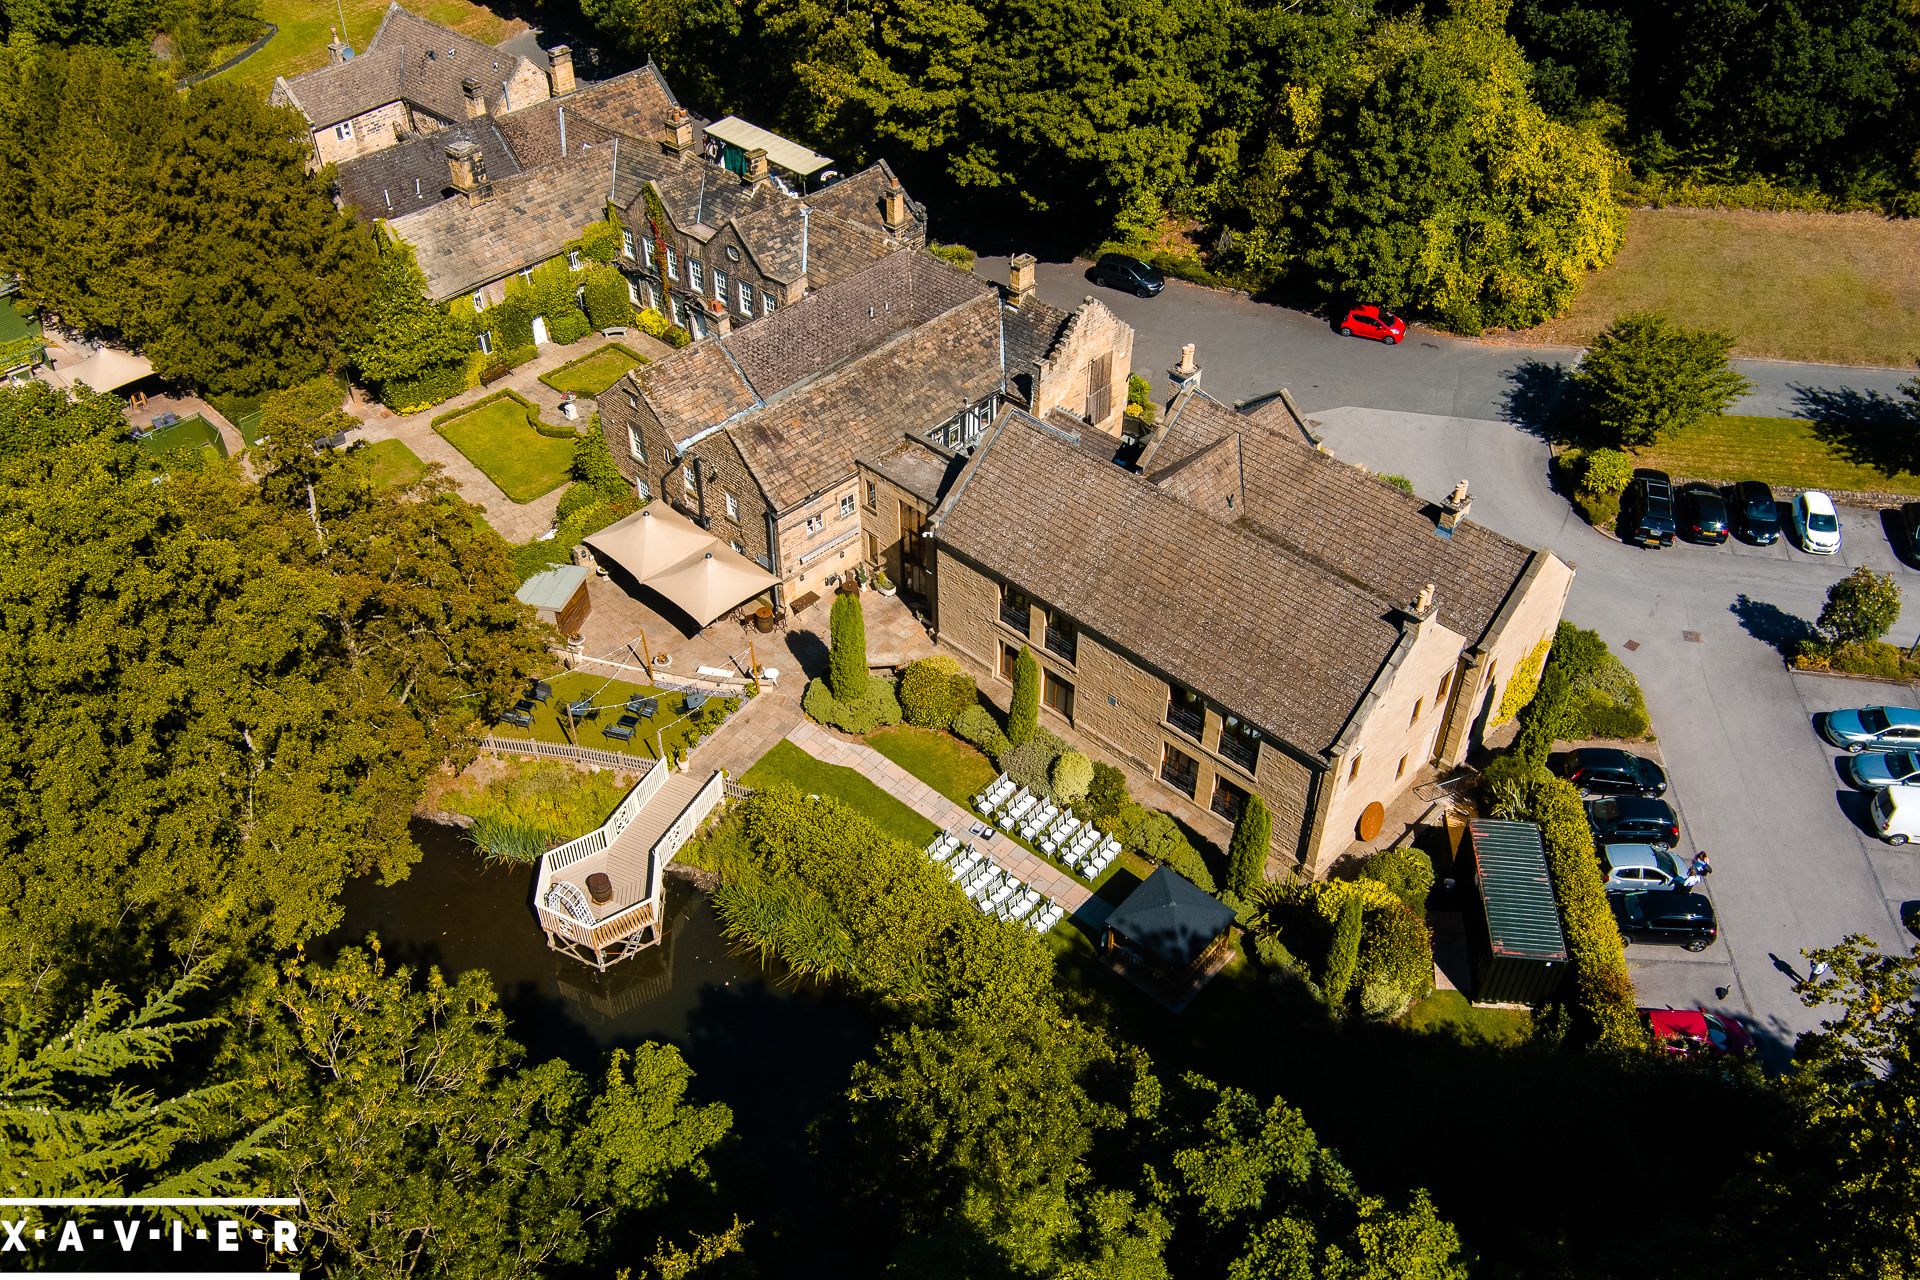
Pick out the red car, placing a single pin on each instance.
(1373, 322)
(1686, 1032)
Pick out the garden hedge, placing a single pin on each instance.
(877, 707)
(977, 725)
(1602, 996)
(934, 691)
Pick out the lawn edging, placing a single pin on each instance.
(506, 393)
(637, 361)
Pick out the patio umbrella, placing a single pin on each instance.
(708, 585)
(651, 541)
(107, 369)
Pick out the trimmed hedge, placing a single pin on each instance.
(1030, 763)
(555, 430)
(431, 387)
(1396, 961)
(569, 325)
(877, 707)
(933, 691)
(530, 558)
(1106, 796)
(533, 410)
(1072, 775)
(1603, 1002)
(607, 302)
(977, 726)
(1155, 836)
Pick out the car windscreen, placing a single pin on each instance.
(1873, 720)
(1762, 509)
(1665, 862)
(1901, 764)
(1820, 522)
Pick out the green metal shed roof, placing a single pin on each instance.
(1523, 919)
(552, 588)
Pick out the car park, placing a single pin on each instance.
(1665, 915)
(1374, 322)
(1646, 510)
(1816, 524)
(1633, 818)
(1703, 514)
(1129, 275)
(1631, 866)
(1755, 515)
(1857, 729)
(1871, 770)
(1609, 771)
(1686, 1032)
(1895, 813)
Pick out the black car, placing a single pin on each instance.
(1608, 771)
(1646, 510)
(1908, 520)
(1633, 818)
(1118, 271)
(1703, 514)
(1756, 516)
(1665, 915)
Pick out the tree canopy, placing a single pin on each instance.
(1645, 377)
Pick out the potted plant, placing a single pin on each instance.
(576, 643)
(882, 583)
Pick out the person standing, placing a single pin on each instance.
(1701, 868)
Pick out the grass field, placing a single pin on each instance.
(594, 372)
(788, 763)
(952, 767)
(551, 722)
(1786, 451)
(187, 434)
(301, 44)
(391, 464)
(496, 438)
(1841, 288)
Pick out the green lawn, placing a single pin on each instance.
(1834, 287)
(788, 763)
(496, 437)
(17, 321)
(188, 433)
(391, 464)
(594, 372)
(301, 43)
(551, 724)
(954, 768)
(1788, 451)
(1452, 1014)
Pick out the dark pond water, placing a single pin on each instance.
(776, 1051)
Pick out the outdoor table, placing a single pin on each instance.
(599, 887)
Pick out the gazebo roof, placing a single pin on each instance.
(1169, 920)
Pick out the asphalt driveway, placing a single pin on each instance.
(1700, 627)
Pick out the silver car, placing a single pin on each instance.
(1859, 729)
(1873, 770)
(1638, 866)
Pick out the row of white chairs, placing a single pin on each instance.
(1055, 832)
(994, 890)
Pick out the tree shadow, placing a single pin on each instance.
(1867, 428)
(1772, 626)
(1541, 399)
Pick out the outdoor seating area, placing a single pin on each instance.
(1080, 846)
(583, 710)
(995, 891)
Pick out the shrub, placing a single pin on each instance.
(1874, 658)
(1401, 483)
(958, 254)
(877, 707)
(600, 242)
(1602, 996)
(1406, 871)
(577, 498)
(1396, 961)
(651, 322)
(1605, 473)
(511, 319)
(430, 387)
(977, 725)
(1343, 957)
(933, 691)
(606, 296)
(594, 467)
(1247, 852)
(1072, 775)
(1156, 837)
(1140, 399)
(1106, 795)
(1598, 510)
(569, 324)
(1023, 711)
(1605, 702)
(1861, 608)
(553, 430)
(1522, 684)
(1030, 763)
(847, 663)
(531, 557)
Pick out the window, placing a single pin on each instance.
(634, 446)
(720, 284)
(767, 306)
(1099, 386)
(1353, 770)
(479, 299)
(1009, 659)
(344, 131)
(1185, 711)
(846, 506)
(1240, 743)
(1058, 694)
(733, 507)
(1400, 769)
(641, 491)
(633, 401)
(580, 297)
(694, 278)
(486, 343)
(1179, 770)
(573, 259)
(647, 249)
(873, 494)
(1016, 608)
(1227, 799)
(633, 293)
(673, 266)
(626, 244)
(1440, 694)
(1419, 705)
(688, 480)
(816, 523)
(1063, 638)
(737, 548)
(746, 299)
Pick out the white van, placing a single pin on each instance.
(1896, 813)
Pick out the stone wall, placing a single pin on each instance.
(809, 557)
(1532, 619)
(372, 131)
(1065, 376)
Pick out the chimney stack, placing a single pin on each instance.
(469, 169)
(720, 324)
(560, 70)
(1186, 374)
(893, 213)
(756, 167)
(337, 50)
(1423, 603)
(1020, 277)
(679, 131)
(476, 98)
(1453, 510)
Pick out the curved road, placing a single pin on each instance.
(1795, 867)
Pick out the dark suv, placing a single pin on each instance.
(1646, 510)
(1703, 514)
(1665, 915)
(1118, 271)
(1633, 818)
(1608, 771)
(1756, 516)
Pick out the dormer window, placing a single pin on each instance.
(573, 259)
(965, 427)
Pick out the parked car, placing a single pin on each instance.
(1634, 818)
(1118, 271)
(1756, 516)
(1686, 1032)
(1873, 770)
(1907, 520)
(1646, 510)
(1638, 866)
(1609, 771)
(1896, 814)
(1860, 729)
(1703, 514)
(1370, 321)
(1816, 524)
(1665, 915)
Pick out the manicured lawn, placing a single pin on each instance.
(1786, 451)
(954, 768)
(391, 464)
(594, 372)
(188, 433)
(551, 724)
(1452, 1014)
(495, 437)
(1834, 287)
(301, 44)
(788, 763)
(17, 321)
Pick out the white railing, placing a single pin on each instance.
(703, 803)
(562, 751)
(600, 837)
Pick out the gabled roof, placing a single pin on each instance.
(860, 197)
(1169, 920)
(1284, 643)
(635, 104)
(398, 180)
(409, 59)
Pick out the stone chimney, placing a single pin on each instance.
(1020, 277)
(1423, 603)
(469, 169)
(719, 323)
(756, 167)
(1186, 374)
(679, 131)
(476, 98)
(1453, 510)
(893, 210)
(337, 50)
(560, 70)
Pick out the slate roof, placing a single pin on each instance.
(834, 247)
(859, 197)
(1257, 628)
(534, 132)
(1350, 522)
(1170, 920)
(917, 467)
(411, 176)
(1030, 330)
(409, 59)
(635, 104)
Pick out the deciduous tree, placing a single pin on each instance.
(1645, 377)
(1860, 607)
(403, 337)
